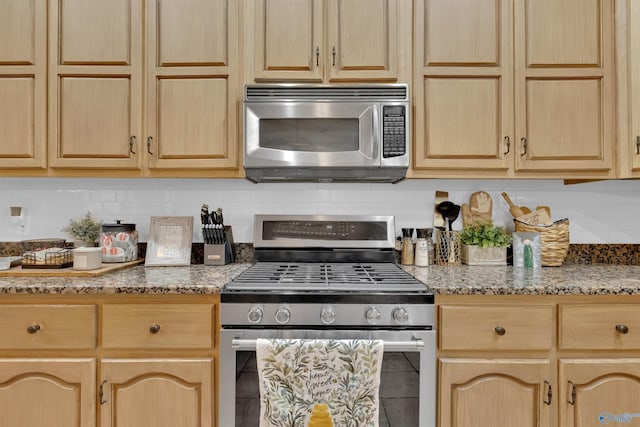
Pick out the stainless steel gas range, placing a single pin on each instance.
(329, 277)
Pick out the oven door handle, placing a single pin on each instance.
(413, 345)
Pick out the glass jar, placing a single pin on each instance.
(422, 255)
(407, 246)
(119, 242)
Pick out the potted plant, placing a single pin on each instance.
(85, 230)
(484, 244)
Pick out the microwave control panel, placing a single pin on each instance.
(394, 137)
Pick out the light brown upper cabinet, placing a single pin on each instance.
(328, 40)
(628, 50)
(188, 85)
(514, 88)
(192, 86)
(23, 83)
(95, 84)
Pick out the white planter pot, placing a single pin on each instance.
(475, 255)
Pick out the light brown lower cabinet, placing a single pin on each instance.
(495, 392)
(599, 392)
(52, 392)
(108, 361)
(539, 361)
(156, 393)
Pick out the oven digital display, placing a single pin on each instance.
(325, 230)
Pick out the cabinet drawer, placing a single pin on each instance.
(599, 326)
(47, 327)
(157, 326)
(525, 327)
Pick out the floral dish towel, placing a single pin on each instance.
(341, 377)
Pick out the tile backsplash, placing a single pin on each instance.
(599, 212)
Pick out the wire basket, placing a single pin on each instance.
(46, 253)
(554, 240)
(48, 258)
(448, 248)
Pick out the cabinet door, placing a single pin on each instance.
(157, 393)
(362, 40)
(463, 87)
(599, 391)
(47, 392)
(23, 78)
(634, 88)
(288, 39)
(565, 89)
(95, 72)
(192, 86)
(496, 392)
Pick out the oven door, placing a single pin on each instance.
(311, 134)
(407, 380)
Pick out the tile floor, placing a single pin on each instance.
(399, 382)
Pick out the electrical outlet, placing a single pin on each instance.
(24, 228)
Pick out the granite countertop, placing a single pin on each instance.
(592, 279)
(598, 279)
(194, 279)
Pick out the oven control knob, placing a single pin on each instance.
(283, 315)
(373, 315)
(400, 315)
(328, 315)
(255, 314)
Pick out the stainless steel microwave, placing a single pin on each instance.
(326, 133)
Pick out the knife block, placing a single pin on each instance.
(220, 254)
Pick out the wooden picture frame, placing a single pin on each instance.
(169, 242)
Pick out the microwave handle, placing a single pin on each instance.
(376, 129)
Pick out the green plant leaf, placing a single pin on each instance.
(485, 235)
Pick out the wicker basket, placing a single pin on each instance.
(40, 244)
(554, 240)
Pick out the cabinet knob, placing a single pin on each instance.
(32, 329)
(154, 329)
(500, 330)
(623, 329)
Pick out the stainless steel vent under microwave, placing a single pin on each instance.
(325, 133)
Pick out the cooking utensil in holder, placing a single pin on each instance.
(448, 247)
(554, 240)
(220, 254)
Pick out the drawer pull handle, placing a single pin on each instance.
(572, 392)
(547, 401)
(154, 329)
(101, 393)
(500, 330)
(507, 142)
(32, 329)
(623, 329)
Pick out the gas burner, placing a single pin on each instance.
(381, 277)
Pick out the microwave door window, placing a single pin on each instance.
(321, 135)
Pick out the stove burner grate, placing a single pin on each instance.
(334, 276)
